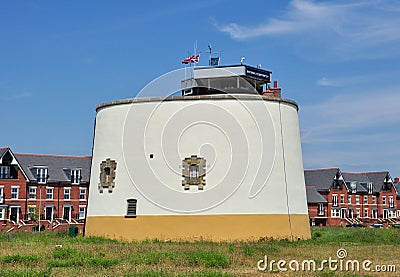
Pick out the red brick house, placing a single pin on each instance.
(397, 187)
(352, 198)
(317, 207)
(42, 190)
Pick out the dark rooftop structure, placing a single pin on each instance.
(226, 79)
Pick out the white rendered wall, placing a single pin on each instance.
(251, 169)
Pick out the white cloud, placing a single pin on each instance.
(302, 15)
(343, 119)
(357, 27)
(353, 132)
(9, 92)
(325, 82)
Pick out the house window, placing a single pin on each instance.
(358, 199)
(358, 213)
(1, 194)
(4, 172)
(31, 212)
(131, 208)
(2, 213)
(391, 203)
(14, 193)
(334, 200)
(41, 175)
(82, 194)
(75, 176)
(67, 193)
(373, 199)
(335, 212)
(398, 213)
(383, 200)
(32, 192)
(82, 212)
(349, 199)
(366, 212)
(49, 193)
(365, 199)
(342, 199)
(374, 213)
(370, 190)
(320, 209)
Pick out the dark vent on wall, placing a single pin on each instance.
(131, 209)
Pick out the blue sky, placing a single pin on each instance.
(340, 60)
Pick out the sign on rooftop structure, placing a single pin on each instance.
(231, 71)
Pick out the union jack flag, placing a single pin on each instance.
(191, 59)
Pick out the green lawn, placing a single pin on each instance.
(57, 254)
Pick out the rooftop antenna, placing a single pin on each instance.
(210, 49)
(213, 59)
(242, 60)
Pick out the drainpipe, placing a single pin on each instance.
(58, 200)
(26, 199)
(40, 203)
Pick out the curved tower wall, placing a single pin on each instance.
(250, 183)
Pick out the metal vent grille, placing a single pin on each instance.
(131, 208)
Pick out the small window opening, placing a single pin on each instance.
(107, 170)
(131, 208)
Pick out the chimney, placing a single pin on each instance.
(273, 92)
(396, 179)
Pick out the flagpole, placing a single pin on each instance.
(209, 61)
(195, 52)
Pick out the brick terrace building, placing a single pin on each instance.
(351, 198)
(52, 190)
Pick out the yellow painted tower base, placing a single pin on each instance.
(248, 227)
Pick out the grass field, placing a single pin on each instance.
(57, 254)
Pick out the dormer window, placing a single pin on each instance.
(4, 172)
(370, 189)
(41, 175)
(75, 176)
(8, 166)
(353, 186)
(336, 184)
(387, 184)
